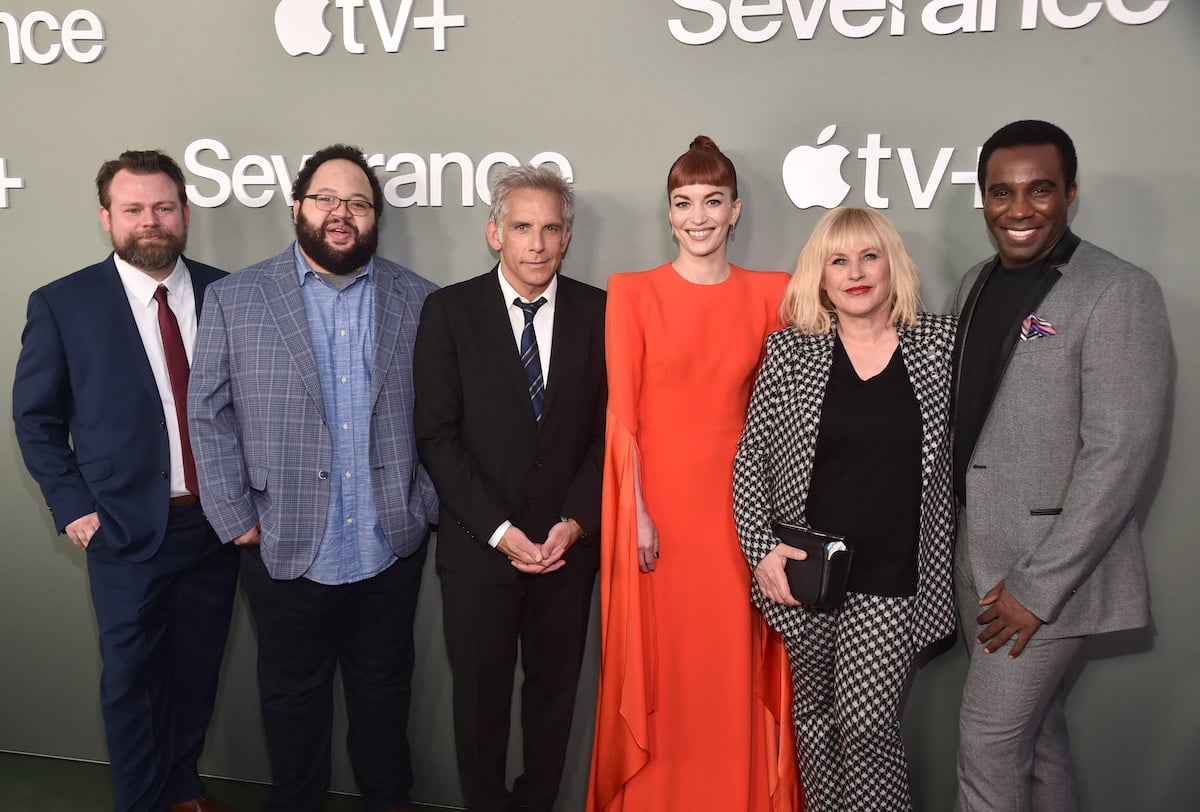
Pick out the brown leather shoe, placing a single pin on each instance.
(202, 803)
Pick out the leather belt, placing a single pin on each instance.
(186, 499)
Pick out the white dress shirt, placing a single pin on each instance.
(543, 330)
(139, 289)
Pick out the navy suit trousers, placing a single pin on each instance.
(163, 624)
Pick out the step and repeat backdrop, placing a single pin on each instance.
(880, 103)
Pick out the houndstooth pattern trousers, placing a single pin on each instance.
(849, 671)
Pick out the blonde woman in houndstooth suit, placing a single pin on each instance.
(847, 433)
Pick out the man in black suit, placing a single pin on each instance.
(510, 399)
(99, 408)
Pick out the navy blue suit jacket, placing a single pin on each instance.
(89, 419)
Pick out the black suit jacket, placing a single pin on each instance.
(477, 436)
(87, 411)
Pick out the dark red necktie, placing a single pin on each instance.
(177, 369)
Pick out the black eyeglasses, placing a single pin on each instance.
(359, 208)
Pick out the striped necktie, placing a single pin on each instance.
(530, 359)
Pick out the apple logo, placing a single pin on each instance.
(300, 26)
(812, 176)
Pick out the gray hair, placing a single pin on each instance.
(528, 176)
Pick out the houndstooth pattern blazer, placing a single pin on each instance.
(775, 458)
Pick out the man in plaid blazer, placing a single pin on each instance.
(301, 413)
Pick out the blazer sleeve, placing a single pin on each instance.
(753, 481)
(42, 403)
(438, 415)
(212, 422)
(1124, 382)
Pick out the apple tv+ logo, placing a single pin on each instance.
(300, 25)
(814, 175)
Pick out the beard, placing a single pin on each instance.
(155, 256)
(337, 261)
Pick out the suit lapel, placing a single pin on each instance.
(125, 333)
(565, 345)
(493, 315)
(809, 381)
(1029, 304)
(390, 301)
(923, 376)
(964, 325)
(199, 285)
(281, 294)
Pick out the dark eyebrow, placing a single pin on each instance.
(328, 191)
(1035, 182)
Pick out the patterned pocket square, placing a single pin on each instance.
(1032, 327)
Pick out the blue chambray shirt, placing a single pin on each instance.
(341, 324)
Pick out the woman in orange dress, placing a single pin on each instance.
(694, 707)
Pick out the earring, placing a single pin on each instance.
(732, 229)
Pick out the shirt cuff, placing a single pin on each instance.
(499, 533)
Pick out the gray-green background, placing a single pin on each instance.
(606, 85)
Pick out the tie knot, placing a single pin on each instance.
(160, 294)
(529, 308)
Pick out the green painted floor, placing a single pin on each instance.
(36, 784)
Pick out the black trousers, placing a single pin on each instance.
(305, 631)
(548, 614)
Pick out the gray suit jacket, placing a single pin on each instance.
(1055, 477)
(263, 449)
(775, 454)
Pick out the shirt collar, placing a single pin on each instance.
(1059, 255)
(1062, 252)
(510, 292)
(141, 286)
(303, 269)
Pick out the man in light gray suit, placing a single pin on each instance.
(301, 409)
(1063, 362)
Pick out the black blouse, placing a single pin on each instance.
(866, 477)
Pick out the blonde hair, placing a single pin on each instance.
(805, 305)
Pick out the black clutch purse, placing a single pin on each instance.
(818, 581)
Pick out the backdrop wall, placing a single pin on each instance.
(896, 95)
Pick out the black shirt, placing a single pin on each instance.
(1004, 302)
(866, 477)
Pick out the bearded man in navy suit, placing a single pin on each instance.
(99, 403)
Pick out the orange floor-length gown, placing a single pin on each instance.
(694, 710)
